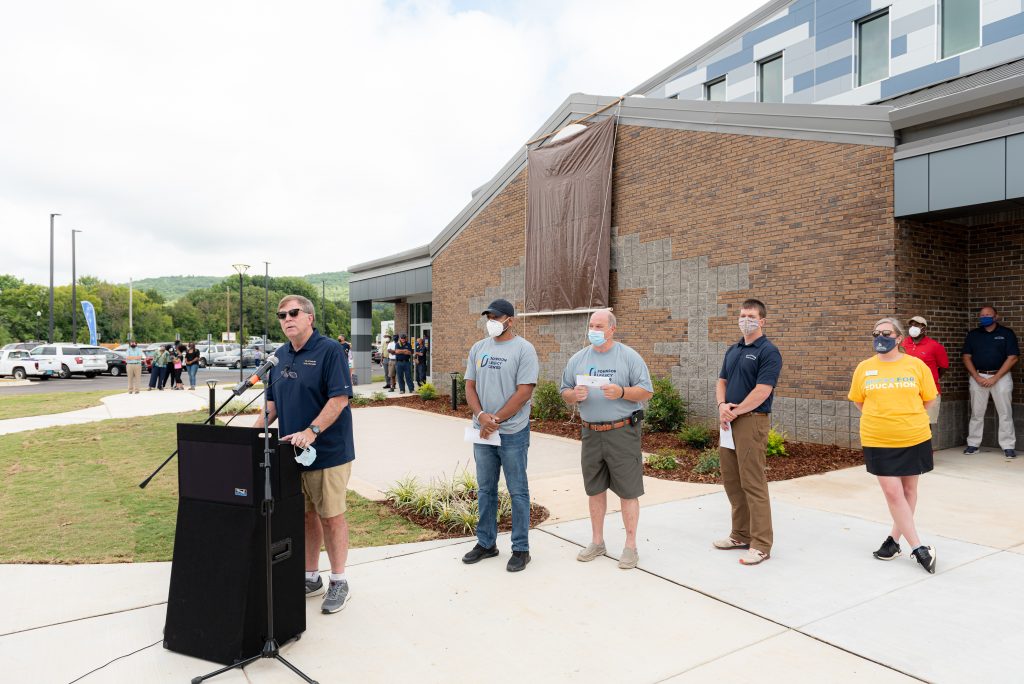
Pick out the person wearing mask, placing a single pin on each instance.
(178, 365)
(745, 390)
(345, 346)
(192, 364)
(133, 363)
(403, 354)
(893, 391)
(612, 418)
(160, 364)
(989, 354)
(501, 374)
(392, 365)
(931, 351)
(421, 365)
(308, 393)
(384, 361)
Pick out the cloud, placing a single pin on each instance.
(184, 138)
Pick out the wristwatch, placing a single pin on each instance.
(315, 430)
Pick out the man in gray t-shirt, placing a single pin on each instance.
(610, 382)
(500, 376)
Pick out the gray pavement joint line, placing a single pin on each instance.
(84, 617)
(751, 612)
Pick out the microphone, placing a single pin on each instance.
(271, 361)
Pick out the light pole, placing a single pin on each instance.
(241, 268)
(39, 317)
(50, 337)
(74, 294)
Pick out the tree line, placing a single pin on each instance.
(25, 307)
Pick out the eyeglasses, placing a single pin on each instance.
(885, 333)
(288, 373)
(293, 313)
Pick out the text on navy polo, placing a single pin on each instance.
(300, 385)
(747, 365)
(989, 350)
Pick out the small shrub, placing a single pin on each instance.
(379, 395)
(426, 502)
(460, 383)
(663, 460)
(708, 463)
(776, 444)
(404, 492)
(359, 400)
(427, 391)
(696, 435)
(239, 406)
(666, 411)
(504, 503)
(547, 402)
(466, 481)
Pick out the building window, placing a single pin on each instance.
(960, 23)
(769, 74)
(714, 91)
(873, 48)
(419, 319)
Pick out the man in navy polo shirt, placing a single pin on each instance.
(744, 394)
(990, 352)
(308, 394)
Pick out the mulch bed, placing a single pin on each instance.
(802, 458)
(538, 514)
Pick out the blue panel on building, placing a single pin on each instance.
(834, 20)
(1002, 29)
(827, 72)
(727, 64)
(794, 17)
(968, 175)
(899, 46)
(1015, 166)
(803, 81)
(910, 185)
(919, 78)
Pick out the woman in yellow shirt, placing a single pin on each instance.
(893, 392)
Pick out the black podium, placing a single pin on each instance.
(216, 607)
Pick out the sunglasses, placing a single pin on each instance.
(293, 313)
(288, 373)
(885, 333)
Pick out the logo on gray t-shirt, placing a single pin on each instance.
(498, 368)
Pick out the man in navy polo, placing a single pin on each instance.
(744, 393)
(990, 352)
(308, 394)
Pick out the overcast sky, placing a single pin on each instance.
(185, 137)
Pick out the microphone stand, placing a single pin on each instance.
(271, 649)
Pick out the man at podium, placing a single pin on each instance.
(308, 395)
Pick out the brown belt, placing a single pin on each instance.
(605, 427)
(752, 413)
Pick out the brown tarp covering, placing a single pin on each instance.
(568, 221)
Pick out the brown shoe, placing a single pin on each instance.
(729, 543)
(753, 557)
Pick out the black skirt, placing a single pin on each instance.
(899, 461)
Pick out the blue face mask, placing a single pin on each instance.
(596, 337)
(307, 456)
(883, 345)
(985, 321)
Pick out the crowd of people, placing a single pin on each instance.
(896, 390)
(400, 358)
(169, 362)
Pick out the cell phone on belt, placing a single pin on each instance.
(636, 416)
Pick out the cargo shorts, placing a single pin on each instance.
(613, 459)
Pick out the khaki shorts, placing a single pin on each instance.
(325, 489)
(392, 368)
(613, 460)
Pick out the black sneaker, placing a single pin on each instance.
(518, 561)
(925, 555)
(1010, 454)
(478, 553)
(971, 450)
(314, 588)
(888, 550)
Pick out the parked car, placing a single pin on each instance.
(250, 357)
(208, 355)
(20, 364)
(375, 354)
(117, 364)
(72, 360)
(27, 346)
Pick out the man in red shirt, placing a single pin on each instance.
(932, 353)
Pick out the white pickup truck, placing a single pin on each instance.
(71, 360)
(20, 364)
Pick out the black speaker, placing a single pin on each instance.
(216, 606)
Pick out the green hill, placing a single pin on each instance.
(173, 288)
(336, 283)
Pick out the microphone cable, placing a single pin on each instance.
(109, 662)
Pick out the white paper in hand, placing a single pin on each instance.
(592, 380)
(473, 437)
(725, 438)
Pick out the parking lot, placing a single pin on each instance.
(79, 383)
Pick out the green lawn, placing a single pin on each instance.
(70, 495)
(25, 405)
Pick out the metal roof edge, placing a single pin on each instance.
(390, 260)
(705, 50)
(988, 95)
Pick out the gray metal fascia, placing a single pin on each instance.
(396, 259)
(988, 95)
(960, 138)
(705, 50)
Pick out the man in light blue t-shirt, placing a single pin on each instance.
(501, 373)
(609, 381)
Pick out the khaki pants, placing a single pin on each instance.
(1002, 395)
(134, 376)
(746, 484)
